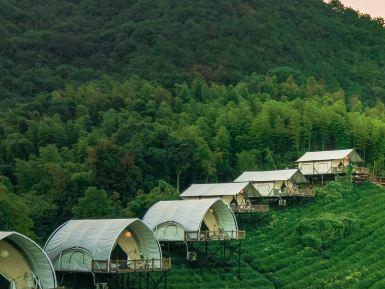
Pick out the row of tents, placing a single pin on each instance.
(205, 213)
(113, 245)
(248, 192)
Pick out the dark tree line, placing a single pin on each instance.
(46, 44)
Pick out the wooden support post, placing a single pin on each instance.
(239, 258)
(75, 281)
(206, 250)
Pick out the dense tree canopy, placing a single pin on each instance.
(46, 44)
(118, 104)
(107, 144)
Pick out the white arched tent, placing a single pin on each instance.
(90, 246)
(192, 220)
(23, 264)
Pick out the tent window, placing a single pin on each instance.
(283, 187)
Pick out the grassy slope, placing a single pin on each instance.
(275, 259)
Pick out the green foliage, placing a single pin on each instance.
(324, 230)
(114, 168)
(230, 86)
(142, 202)
(94, 204)
(274, 257)
(14, 212)
(48, 45)
(123, 137)
(334, 191)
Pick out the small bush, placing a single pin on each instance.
(322, 231)
(333, 191)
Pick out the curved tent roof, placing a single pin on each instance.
(99, 237)
(217, 190)
(330, 155)
(271, 176)
(189, 214)
(38, 260)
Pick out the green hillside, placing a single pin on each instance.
(46, 44)
(276, 255)
(107, 107)
(121, 146)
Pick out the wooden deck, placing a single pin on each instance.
(128, 266)
(361, 171)
(305, 192)
(214, 235)
(356, 170)
(252, 209)
(308, 192)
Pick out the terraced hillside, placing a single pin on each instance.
(351, 255)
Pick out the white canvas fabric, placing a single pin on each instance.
(98, 238)
(39, 262)
(330, 155)
(272, 176)
(188, 215)
(265, 189)
(215, 190)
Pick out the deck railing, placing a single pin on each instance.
(361, 170)
(126, 266)
(295, 192)
(355, 170)
(214, 235)
(306, 192)
(340, 170)
(252, 209)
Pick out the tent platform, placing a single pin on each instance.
(251, 209)
(356, 171)
(124, 266)
(204, 236)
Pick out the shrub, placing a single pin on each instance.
(334, 191)
(143, 201)
(322, 231)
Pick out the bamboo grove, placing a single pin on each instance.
(123, 145)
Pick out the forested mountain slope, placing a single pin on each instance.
(45, 44)
(117, 104)
(107, 144)
(332, 243)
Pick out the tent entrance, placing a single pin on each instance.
(5, 283)
(119, 254)
(211, 222)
